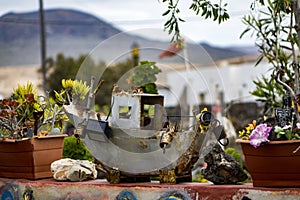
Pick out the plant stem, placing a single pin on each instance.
(295, 12)
(292, 94)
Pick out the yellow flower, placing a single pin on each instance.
(67, 83)
(245, 133)
(250, 127)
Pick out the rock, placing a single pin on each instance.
(73, 170)
(222, 168)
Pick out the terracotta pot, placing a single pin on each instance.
(31, 158)
(273, 164)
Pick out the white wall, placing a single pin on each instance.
(236, 81)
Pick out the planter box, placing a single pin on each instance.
(274, 164)
(31, 158)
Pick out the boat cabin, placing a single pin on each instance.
(140, 111)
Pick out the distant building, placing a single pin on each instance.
(234, 81)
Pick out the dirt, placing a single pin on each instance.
(11, 76)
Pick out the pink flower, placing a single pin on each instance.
(259, 135)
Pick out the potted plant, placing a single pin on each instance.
(272, 153)
(30, 134)
(271, 144)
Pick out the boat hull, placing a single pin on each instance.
(137, 152)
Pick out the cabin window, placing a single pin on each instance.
(148, 114)
(124, 112)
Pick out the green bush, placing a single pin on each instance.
(75, 149)
(236, 155)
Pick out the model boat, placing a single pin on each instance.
(137, 142)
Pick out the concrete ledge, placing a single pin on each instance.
(101, 190)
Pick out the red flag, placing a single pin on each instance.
(173, 49)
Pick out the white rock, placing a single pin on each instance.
(73, 170)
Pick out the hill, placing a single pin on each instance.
(73, 33)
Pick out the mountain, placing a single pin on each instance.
(74, 33)
(58, 22)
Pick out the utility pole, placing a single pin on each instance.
(43, 46)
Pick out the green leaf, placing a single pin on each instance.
(182, 20)
(286, 47)
(166, 13)
(204, 11)
(259, 60)
(244, 32)
(215, 14)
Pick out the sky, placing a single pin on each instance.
(140, 15)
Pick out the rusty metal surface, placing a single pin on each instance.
(136, 142)
(132, 147)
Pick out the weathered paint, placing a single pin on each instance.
(49, 189)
